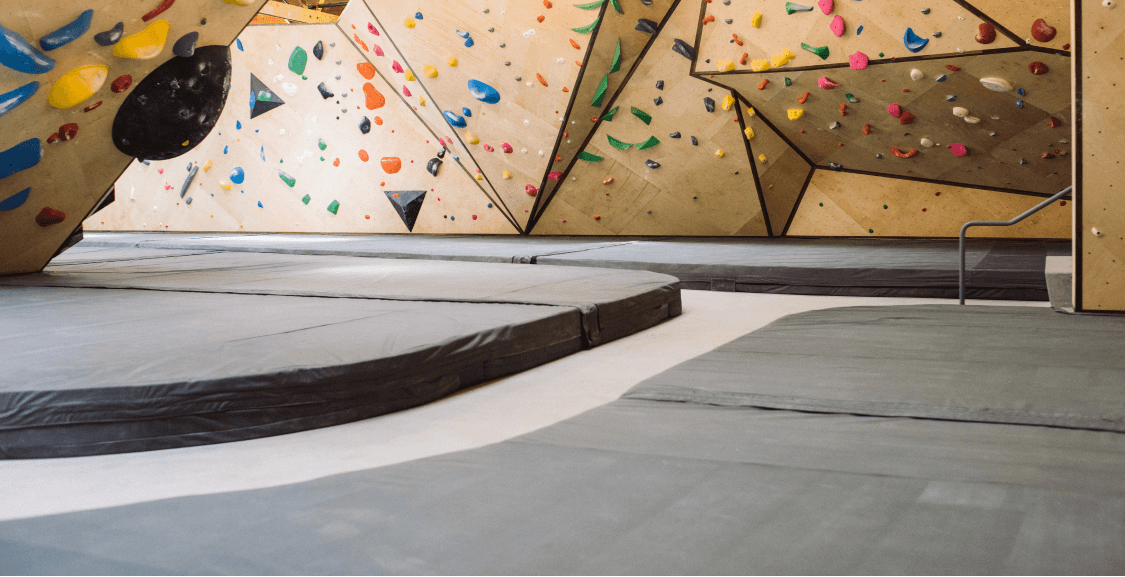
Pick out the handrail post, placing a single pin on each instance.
(965, 228)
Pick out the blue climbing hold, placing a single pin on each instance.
(226, 149)
(940, 78)
(468, 43)
(10, 100)
(462, 34)
(417, 15)
(483, 92)
(16, 200)
(263, 153)
(238, 43)
(238, 125)
(914, 42)
(859, 30)
(454, 120)
(238, 176)
(20, 157)
(1021, 92)
(19, 55)
(466, 112)
(68, 33)
(260, 204)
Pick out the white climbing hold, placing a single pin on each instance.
(996, 84)
(927, 142)
(916, 74)
(972, 120)
(960, 112)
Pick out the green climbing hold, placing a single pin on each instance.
(871, 230)
(822, 204)
(587, 28)
(287, 179)
(651, 142)
(297, 60)
(599, 94)
(321, 144)
(609, 115)
(617, 6)
(792, 8)
(591, 5)
(644, 116)
(589, 157)
(616, 59)
(821, 51)
(884, 207)
(617, 143)
(335, 206)
(788, 81)
(306, 199)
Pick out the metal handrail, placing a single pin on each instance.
(1016, 220)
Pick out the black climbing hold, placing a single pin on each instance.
(684, 49)
(652, 164)
(441, 153)
(365, 125)
(647, 26)
(111, 36)
(144, 161)
(925, 11)
(318, 50)
(188, 201)
(324, 91)
(674, 135)
(658, 100)
(262, 99)
(660, 85)
(432, 165)
(175, 107)
(185, 46)
(709, 103)
(694, 141)
(202, 22)
(729, 21)
(407, 204)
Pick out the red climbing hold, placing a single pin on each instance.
(1042, 32)
(906, 118)
(336, 162)
(396, 66)
(952, 68)
(867, 129)
(1038, 68)
(742, 60)
(554, 175)
(164, 5)
(547, 4)
(736, 40)
(901, 154)
(121, 83)
(68, 131)
(959, 150)
(49, 216)
(92, 106)
(986, 33)
(53, 138)
(1054, 123)
(366, 70)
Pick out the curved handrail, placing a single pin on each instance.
(970, 224)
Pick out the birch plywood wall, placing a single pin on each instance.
(85, 87)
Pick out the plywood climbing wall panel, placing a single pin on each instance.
(62, 74)
(675, 182)
(944, 26)
(1100, 242)
(298, 160)
(782, 170)
(837, 204)
(1022, 19)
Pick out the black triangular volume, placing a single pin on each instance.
(407, 203)
(262, 99)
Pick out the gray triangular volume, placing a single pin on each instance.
(262, 99)
(407, 204)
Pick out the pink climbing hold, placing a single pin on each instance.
(827, 6)
(507, 148)
(827, 83)
(488, 148)
(894, 110)
(378, 51)
(959, 150)
(396, 66)
(554, 175)
(531, 190)
(837, 26)
(858, 61)
(371, 28)
(405, 91)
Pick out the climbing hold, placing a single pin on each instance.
(49, 216)
(858, 61)
(927, 143)
(390, 164)
(760, 65)
(111, 36)
(185, 46)
(19, 55)
(647, 26)
(1042, 32)
(506, 175)
(297, 60)
(728, 102)
(901, 154)
(484, 92)
(143, 45)
(15, 201)
(1038, 68)
(531, 190)
(694, 141)
(658, 100)
(20, 157)
(916, 74)
(683, 49)
(408, 23)
(913, 42)
(719, 153)
(651, 142)
(454, 120)
(827, 6)
(674, 135)
(14, 98)
(708, 103)
(465, 110)
(906, 118)
(894, 110)
(68, 33)
(652, 163)
(617, 143)
(262, 100)
(646, 118)
(324, 91)
(318, 50)
(726, 66)
(583, 155)
(372, 98)
(287, 179)
(542, 80)
(827, 83)
(409, 75)
(821, 51)
(996, 84)
(363, 155)
(365, 125)
(366, 70)
(959, 150)
(334, 206)
(837, 26)
(237, 175)
(986, 33)
(471, 138)
(960, 112)
(795, 113)
(432, 166)
(792, 8)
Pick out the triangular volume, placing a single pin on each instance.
(616, 51)
(781, 169)
(262, 99)
(807, 34)
(407, 203)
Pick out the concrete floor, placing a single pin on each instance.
(485, 414)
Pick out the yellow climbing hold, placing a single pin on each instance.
(224, 184)
(756, 21)
(750, 111)
(143, 45)
(76, 86)
(762, 158)
(719, 153)
(452, 61)
(789, 53)
(186, 142)
(726, 66)
(239, 2)
(471, 138)
(779, 60)
(409, 23)
(795, 113)
(760, 65)
(421, 101)
(409, 76)
(749, 132)
(728, 101)
(207, 166)
(506, 175)
(480, 176)
(429, 71)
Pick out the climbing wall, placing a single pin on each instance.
(668, 158)
(312, 140)
(1100, 216)
(85, 86)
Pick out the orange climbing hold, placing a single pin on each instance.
(763, 83)
(867, 129)
(742, 60)
(843, 110)
(379, 121)
(736, 40)
(803, 98)
(391, 164)
(366, 70)
(363, 155)
(373, 99)
(710, 18)
(360, 42)
(901, 154)
(539, 18)
(336, 162)
(608, 181)
(575, 45)
(541, 79)
(547, 4)
(565, 89)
